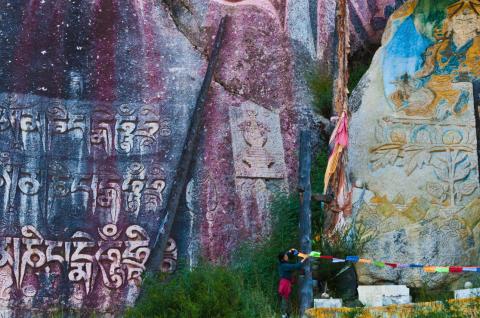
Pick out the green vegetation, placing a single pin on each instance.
(321, 82)
(207, 291)
(247, 286)
(321, 86)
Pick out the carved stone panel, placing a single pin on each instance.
(257, 142)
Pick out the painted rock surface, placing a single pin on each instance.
(413, 143)
(95, 102)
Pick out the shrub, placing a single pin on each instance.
(257, 261)
(206, 291)
(321, 86)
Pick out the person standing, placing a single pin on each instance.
(285, 270)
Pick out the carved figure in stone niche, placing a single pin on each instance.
(454, 57)
(254, 132)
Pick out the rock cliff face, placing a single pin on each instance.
(413, 143)
(95, 101)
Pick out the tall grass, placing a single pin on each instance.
(207, 291)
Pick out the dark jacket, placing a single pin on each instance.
(286, 269)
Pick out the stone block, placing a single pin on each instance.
(327, 303)
(467, 293)
(395, 300)
(382, 295)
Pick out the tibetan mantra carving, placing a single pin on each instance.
(115, 259)
(82, 188)
(257, 148)
(101, 193)
(63, 161)
(124, 129)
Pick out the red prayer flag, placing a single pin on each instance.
(392, 265)
(455, 269)
(326, 257)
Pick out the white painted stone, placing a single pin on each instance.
(395, 300)
(382, 295)
(327, 303)
(467, 293)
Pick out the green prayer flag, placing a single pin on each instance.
(442, 270)
(315, 254)
(379, 264)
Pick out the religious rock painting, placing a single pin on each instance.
(257, 142)
(414, 142)
(432, 126)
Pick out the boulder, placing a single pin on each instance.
(413, 146)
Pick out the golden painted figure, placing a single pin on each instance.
(455, 57)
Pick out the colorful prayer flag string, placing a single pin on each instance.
(379, 264)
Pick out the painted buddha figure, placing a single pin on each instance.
(455, 57)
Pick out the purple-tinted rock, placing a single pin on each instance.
(95, 103)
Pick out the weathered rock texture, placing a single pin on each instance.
(413, 151)
(95, 101)
(95, 104)
(367, 22)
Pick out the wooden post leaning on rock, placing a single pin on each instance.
(187, 157)
(305, 190)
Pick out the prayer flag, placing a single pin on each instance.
(442, 269)
(429, 269)
(338, 260)
(365, 261)
(315, 254)
(379, 264)
(455, 269)
(354, 259)
(392, 265)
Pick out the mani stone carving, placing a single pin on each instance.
(257, 142)
(413, 144)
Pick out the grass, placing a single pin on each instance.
(206, 291)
